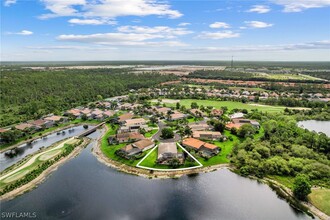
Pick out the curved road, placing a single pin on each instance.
(157, 137)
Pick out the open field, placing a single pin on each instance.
(252, 89)
(320, 198)
(230, 105)
(33, 163)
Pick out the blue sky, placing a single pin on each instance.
(51, 30)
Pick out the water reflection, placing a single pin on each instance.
(84, 188)
(29, 148)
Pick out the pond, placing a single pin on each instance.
(318, 126)
(26, 149)
(83, 188)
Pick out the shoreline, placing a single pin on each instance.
(287, 193)
(148, 173)
(42, 177)
(43, 135)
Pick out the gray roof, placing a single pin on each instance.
(167, 148)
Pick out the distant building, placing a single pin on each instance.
(126, 137)
(216, 112)
(236, 115)
(199, 126)
(207, 135)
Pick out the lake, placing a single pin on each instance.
(83, 188)
(26, 149)
(318, 126)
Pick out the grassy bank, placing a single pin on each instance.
(229, 104)
(320, 198)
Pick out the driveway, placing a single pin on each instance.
(157, 137)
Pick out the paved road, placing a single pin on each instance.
(156, 136)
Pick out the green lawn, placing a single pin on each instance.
(150, 133)
(226, 148)
(321, 199)
(150, 161)
(109, 150)
(194, 119)
(284, 180)
(229, 104)
(253, 89)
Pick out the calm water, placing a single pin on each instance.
(318, 126)
(84, 188)
(26, 149)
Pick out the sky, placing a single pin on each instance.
(82, 30)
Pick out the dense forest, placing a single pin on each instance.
(29, 94)
(284, 150)
(232, 75)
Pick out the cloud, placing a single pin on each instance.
(166, 31)
(183, 24)
(260, 9)
(110, 9)
(323, 45)
(298, 6)
(69, 47)
(132, 36)
(91, 21)
(23, 32)
(8, 3)
(257, 24)
(218, 35)
(219, 25)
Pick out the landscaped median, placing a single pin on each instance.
(25, 174)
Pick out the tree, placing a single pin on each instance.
(174, 163)
(194, 105)
(178, 105)
(246, 130)
(167, 133)
(301, 187)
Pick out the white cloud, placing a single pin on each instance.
(219, 25)
(257, 24)
(8, 3)
(23, 32)
(300, 5)
(284, 47)
(166, 31)
(108, 8)
(132, 36)
(183, 24)
(219, 35)
(260, 9)
(91, 21)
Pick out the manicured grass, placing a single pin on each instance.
(284, 180)
(152, 125)
(229, 104)
(150, 133)
(109, 150)
(150, 161)
(253, 89)
(222, 157)
(321, 199)
(194, 119)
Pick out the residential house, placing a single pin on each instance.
(125, 117)
(197, 112)
(40, 123)
(236, 115)
(177, 116)
(126, 137)
(199, 126)
(131, 150)
(54, 119)
(204, 149)
(207, 135)
(216, 112)
(246, 121)
(167, 152)
(25, 126)
(131, 125)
